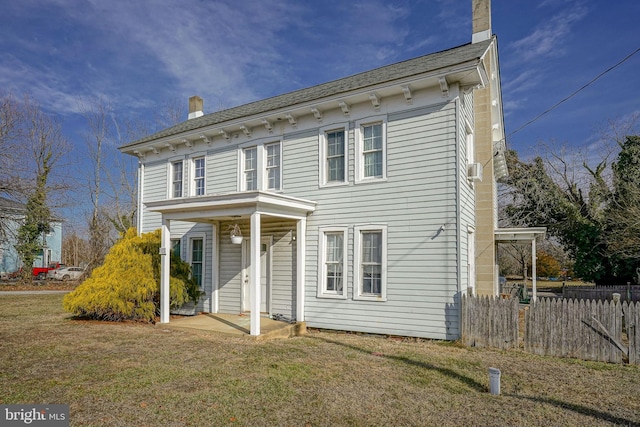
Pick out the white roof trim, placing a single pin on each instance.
(216, 207)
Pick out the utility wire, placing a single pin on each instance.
(574, 93)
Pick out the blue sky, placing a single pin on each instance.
(139, 54)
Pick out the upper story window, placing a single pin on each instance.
(371, 150)
(261, 167)
(273, 166)
(333, 155)
(198, 176)
(250, 169)
(177, 174)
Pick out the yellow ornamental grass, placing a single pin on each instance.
(126, 285)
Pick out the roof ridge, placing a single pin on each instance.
(385, 73)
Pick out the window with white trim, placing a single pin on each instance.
(371, 141)
(198, 176)
(196, 259)
(176, 247)
(250, 169)
(332, 265)
(370, 262)
(177, 174)
(260, 167)
(273, 168)
(333, 156)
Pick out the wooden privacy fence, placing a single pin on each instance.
(490, 322)
(591, 330)
(586, 329)
(627, 292)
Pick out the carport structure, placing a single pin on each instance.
(523, 236)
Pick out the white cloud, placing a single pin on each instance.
(522, 82)
(548, 38)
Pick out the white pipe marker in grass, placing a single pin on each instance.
(494, 381)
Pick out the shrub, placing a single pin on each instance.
(127, 285)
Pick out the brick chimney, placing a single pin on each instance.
(195, 107)
(481, 19)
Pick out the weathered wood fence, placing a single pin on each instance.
(586, 329)
(490, 322)
(627, 292)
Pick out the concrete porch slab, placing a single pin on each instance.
(236, 325)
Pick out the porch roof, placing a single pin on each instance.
(504, 235)
(232, 205)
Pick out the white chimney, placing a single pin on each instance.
(195, 107)
(481, 20)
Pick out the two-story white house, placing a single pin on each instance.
(366, 204)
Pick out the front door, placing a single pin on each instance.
(265, 274)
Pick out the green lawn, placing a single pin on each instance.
(126, 374)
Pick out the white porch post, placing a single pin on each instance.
(301, 244)
(533, 266)
(215, 273)
(165, 259)
(255, 284)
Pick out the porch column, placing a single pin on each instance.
(165, 259)
(533, 266)
(254, 283)
(301, 245)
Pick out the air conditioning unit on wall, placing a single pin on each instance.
(475, 172)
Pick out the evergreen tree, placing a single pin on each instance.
(127, 285)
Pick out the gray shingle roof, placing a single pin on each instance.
(388, 73)
(8, 204)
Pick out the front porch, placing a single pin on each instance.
(236, 325)
(248, 280)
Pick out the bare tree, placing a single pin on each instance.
(96, 113)
(114, 189)
(74, 249)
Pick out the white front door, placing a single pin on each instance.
(265, 274)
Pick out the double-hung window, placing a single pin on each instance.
(371, 151)
(198, 176)
(261, 167)
(176, 248)
(177, 174)
(370, 262)
(332, 264)
(250, 168)
(273, 166)
(197, 259)
(333, 155)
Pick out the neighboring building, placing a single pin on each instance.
(366, 204)
(12, 215)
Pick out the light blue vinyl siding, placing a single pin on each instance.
(418, 196)
(283, 285)
(416, 199)
(154, 188)
(222, 170)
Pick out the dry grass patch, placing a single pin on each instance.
(126, 374)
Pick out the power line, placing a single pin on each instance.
(574, 93)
